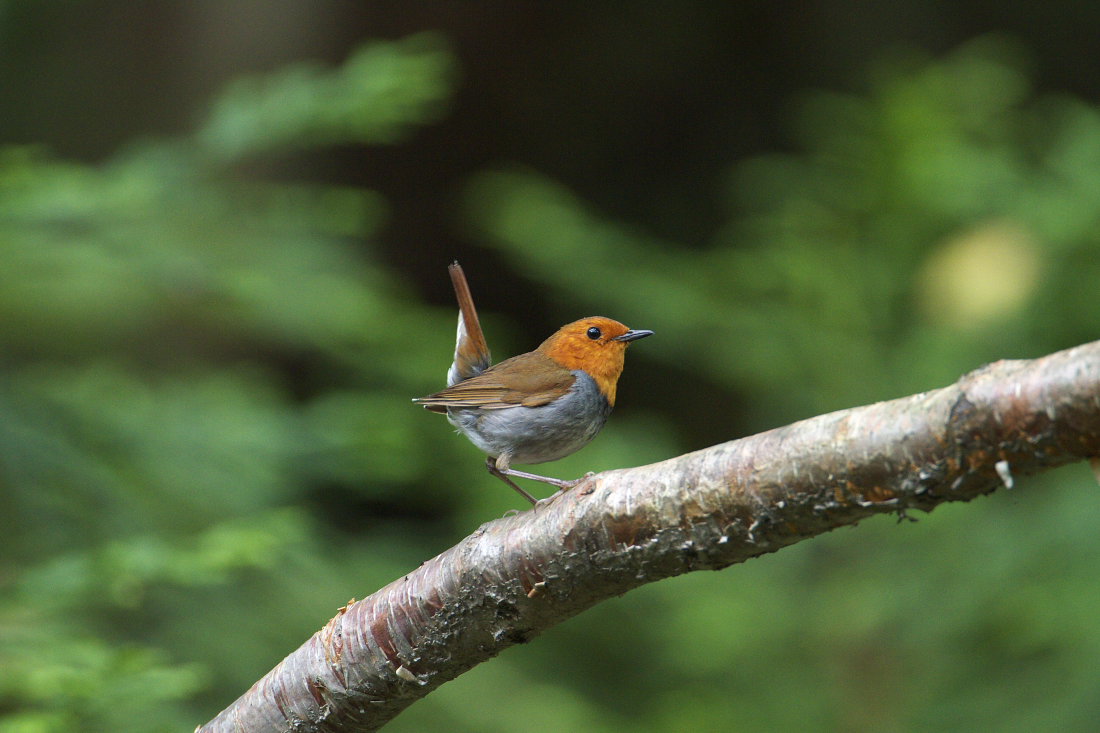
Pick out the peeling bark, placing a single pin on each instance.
(517, 576)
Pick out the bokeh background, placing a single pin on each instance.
(224, 228)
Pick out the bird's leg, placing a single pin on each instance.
(559, 482)
(502, 470)
(500, 474)
(503, 465)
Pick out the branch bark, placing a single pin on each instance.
(517, 576)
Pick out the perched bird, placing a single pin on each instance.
(535, 407)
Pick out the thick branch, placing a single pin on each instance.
(517, 576)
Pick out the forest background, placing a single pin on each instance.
(224, 228)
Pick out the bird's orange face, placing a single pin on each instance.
(595, 345)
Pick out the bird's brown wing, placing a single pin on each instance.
(529, 380)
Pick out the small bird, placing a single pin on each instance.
(535, 407)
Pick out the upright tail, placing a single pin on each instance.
(471, 352)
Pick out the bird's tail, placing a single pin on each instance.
(471, 352)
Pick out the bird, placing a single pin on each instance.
(536, 407)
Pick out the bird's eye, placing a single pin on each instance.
(594, 333)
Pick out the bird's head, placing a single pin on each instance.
(595, 345)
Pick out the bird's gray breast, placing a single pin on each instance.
(538, 434)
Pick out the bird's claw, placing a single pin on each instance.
(550, 499)
(564, 486)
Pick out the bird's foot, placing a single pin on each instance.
(549, 499)
(565, 486)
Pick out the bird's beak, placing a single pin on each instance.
(633, 335)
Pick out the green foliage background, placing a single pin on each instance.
(207, 446)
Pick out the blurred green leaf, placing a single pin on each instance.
(371, 99)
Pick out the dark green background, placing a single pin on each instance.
(224, 228)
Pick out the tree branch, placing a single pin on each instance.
(519, 575)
